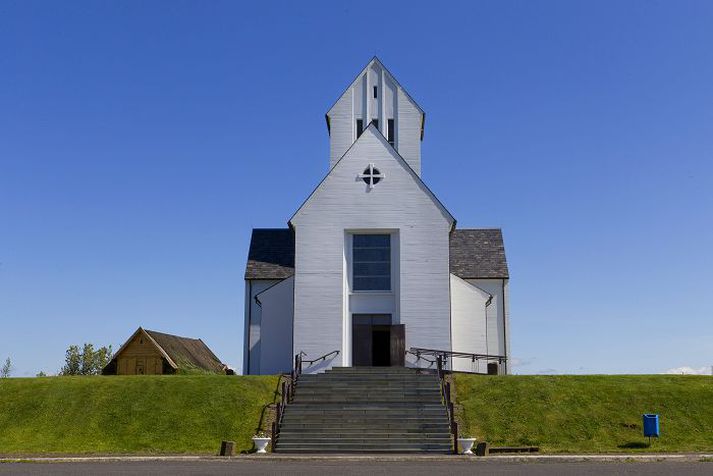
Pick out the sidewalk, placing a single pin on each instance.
(652, 457)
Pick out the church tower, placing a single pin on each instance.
(376, 97)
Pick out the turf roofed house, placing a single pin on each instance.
(154, 353)
(371, 264)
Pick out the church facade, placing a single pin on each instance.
(372, 264)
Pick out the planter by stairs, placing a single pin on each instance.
(365, 410)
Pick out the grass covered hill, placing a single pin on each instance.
(192, 413)
(587, 414)
(131, 414)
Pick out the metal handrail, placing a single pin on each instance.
(420, 357)
(318, 359)
(446, 394)
(288, 392)
(285, 396)
(449, 353)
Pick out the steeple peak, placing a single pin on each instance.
(376, 97)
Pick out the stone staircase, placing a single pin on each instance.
(365, 410)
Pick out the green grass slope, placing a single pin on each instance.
(131, 414)
(587, 414)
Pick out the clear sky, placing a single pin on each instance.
(141, 141)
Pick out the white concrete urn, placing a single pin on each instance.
(466, 445)
(261, 443)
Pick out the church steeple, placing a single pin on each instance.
(376, 97)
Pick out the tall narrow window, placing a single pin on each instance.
(376, 123)
(375, 92)
(371, 263)
(390, 132)
(359, 127)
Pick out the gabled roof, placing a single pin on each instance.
(185, 351)
(272, 254)
(179, 352)
(397, 156)
(474, 254)
(478, 253)
(391, 77)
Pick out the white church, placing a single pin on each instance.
(371, 269)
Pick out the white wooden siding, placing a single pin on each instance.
(497, 321)
(343, 202)
(408, 127)
(506, 307)
(276, 305)
(389, 99)
(373, 303)
(358, 102)
(374, 102)
(246, 331)
(342, 127)
(468, 323)
(251, 364)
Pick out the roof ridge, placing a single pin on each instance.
(360, 73)
(171, 335)
(399, 159)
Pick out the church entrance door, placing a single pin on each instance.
(381, 340)
(376, 342)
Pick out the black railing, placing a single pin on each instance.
(298, 357)
(419, 358)
(298, 365)
(287, 392)
(446, 394)
(447, 355)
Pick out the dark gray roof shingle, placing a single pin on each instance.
(272, 254)
(474, 253)
(478, 253)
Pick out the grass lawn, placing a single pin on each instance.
(131, 414)
(587, 414)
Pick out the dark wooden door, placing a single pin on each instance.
(361, 345)
(398, 345)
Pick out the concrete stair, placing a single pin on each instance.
(366, 410)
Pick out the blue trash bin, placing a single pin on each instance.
(651, 425)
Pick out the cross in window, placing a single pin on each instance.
(371, 176)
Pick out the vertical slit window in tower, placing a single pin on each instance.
(390, 132)
(376, 123)
(359, 127)
(375, 92)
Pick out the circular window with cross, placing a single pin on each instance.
(371, 176)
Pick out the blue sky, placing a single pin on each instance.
(141, 141)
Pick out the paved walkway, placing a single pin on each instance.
(357, 466)
(641, 457)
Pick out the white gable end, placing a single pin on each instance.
(401, 187)
(342, 204)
